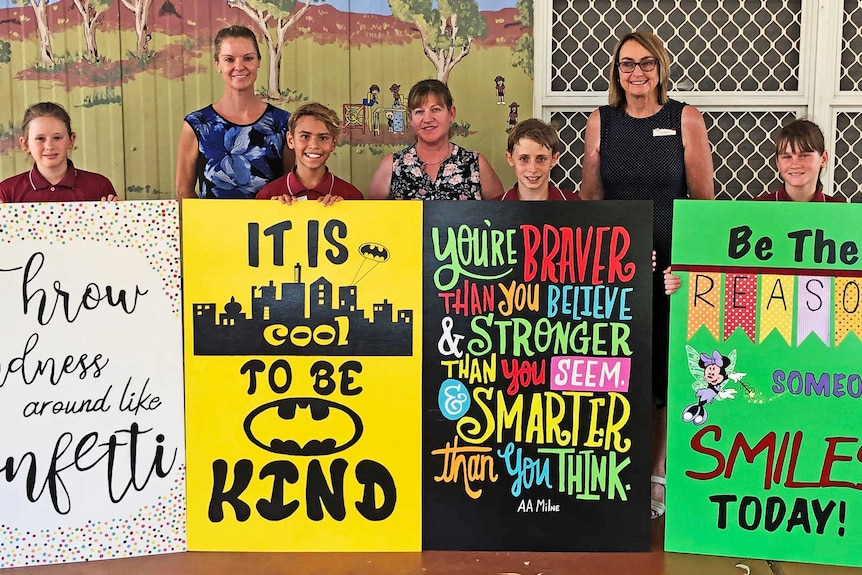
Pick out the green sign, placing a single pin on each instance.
(765, 384)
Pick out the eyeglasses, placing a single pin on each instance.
(646, 65)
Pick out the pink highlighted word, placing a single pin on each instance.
(578, 373)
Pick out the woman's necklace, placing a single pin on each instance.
(449, 148)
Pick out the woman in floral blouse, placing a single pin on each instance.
(237, 145)
(434, 168)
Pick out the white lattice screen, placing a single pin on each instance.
(750, 66)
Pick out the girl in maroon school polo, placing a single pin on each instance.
(48, 137)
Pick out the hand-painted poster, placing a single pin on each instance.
(537, 376)
(91, 392)
(302, 375)
(764, 453)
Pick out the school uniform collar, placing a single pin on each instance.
(38, 181)
(295, 187)
(782, 196)
(554, 193)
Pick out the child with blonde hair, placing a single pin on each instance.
(313, 136)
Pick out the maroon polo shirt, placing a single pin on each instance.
(76, 186)
(782, 196)
(554, 194)
(291, 186)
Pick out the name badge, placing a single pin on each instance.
(663, 132)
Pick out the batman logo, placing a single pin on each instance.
(306, 426)
(373, 251)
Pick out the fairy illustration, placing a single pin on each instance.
(712, 374)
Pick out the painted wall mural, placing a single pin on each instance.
(129, 70)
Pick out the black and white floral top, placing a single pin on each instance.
(457, 178)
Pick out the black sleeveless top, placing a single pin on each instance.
(643, 159)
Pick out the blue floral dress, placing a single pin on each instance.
(457, 178)
(237, 161)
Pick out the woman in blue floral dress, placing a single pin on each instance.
(237, 145)
(434, 168)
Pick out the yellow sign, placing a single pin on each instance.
(303, 375)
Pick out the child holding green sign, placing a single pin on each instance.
(800, 156)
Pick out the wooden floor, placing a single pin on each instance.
(656, 562)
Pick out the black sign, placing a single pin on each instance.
(536, 376)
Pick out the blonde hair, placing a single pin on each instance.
(653, 45)
(320, 112)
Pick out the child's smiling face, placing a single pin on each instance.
(312, 142)
(532, 162)
(48, 141)
(799, 168)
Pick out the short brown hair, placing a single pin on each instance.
(653, 45)
(424, 88)
(320, 112)
(234, 32)
(800, 136)
(42, 109)
(540, 132)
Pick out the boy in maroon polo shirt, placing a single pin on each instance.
(48, 137)
(800, 155)
(533, 149)
(313, 135)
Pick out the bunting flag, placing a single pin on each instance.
(704, 296)
(848, 315)
(740, 304)
(762, 301)
(776, 305)
(814, 308)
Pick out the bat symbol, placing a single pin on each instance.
(374, 251)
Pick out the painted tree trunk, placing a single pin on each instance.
(90, 19)
(90, 39)
(274, 70)
(141, 10)
(47, 51)
(141, 30)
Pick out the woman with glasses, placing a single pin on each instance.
(646, 146)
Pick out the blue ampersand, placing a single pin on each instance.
(453, 399)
